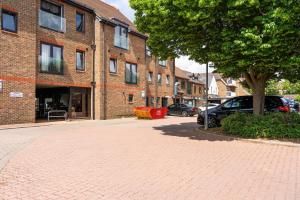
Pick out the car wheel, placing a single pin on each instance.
(185, 113)
(212, 122)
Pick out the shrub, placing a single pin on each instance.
(272, 125)
(297, 98)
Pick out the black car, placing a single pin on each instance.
(184, 110)
(241, 104)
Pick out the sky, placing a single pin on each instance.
(183, 62)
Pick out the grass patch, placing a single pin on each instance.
(272, 125)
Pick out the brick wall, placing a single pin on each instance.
(222, 88)
(17, 64)
(114, 92)
(71, 41)
(163, 90)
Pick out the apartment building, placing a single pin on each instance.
(160, 78)
(80, 56)
(46, 59)
(229, 87)
(189, 88)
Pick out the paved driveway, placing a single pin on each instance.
(129, 159)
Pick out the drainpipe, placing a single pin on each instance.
(146, 75)
(94, 71)
(156, 80)
(174, 83)
(103, 74)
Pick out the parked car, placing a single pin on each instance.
(210, 105)
(241, 104)
(184, 110)
(294, 106)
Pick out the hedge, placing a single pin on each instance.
(272, 125)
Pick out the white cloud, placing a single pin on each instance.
(189, 65)
(123, 6)
(183, 62)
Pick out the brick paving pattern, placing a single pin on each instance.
(166, 159)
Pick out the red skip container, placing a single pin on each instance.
(150, 113)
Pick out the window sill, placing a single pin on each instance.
(80, 71)
(121, 48)
(10, 33)
(52, 73)
(113, 74)
(131, 83)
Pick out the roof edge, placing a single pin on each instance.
(79, 5)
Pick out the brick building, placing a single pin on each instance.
(160, 78)
(81, 56)
(190, 89)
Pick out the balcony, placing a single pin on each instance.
(231, 94)
(51, 21)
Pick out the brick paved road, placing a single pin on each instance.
(128, 159)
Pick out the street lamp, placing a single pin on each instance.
(206, 95)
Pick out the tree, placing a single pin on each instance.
(272, 88)
(259, 40)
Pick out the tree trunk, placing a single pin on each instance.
(259, 97)
(257, 82)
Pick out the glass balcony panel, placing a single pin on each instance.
(51, 21)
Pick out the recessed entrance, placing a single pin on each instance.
(75, 101)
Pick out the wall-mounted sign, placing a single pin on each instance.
(143, 94)
(1, 86)
(16, 94)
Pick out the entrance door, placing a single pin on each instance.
(79, 101)
(164, 102)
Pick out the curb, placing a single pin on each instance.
(256, 141)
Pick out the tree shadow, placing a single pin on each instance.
(192, 131)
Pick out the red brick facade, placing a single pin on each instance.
(25, 84)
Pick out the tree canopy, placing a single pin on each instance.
(258, 39)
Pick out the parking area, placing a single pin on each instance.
(131, 159)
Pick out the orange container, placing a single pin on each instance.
(150, 113)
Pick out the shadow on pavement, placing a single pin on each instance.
(191, 131)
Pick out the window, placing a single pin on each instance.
(9, 21)
(159, 78)
(79, 22)
(200, 91)
(51, 59)
(168, 79)
(247, 103)
(182, 84)
(80, 60)
(157, 100)
(148, 51)
(130, 98)
(152, 101)
(189, 88)
(150, 76)
(162, 63)
(51, 16)
(121, 37)
(131, 73)
(195, 89)
(113, 66)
